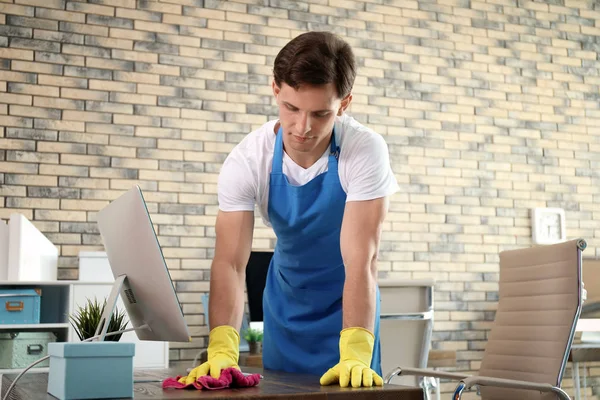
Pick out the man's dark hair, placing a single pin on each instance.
(316, 58)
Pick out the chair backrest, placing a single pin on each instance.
(540, 300)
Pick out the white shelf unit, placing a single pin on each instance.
(19, 370)
(55, 306)
(31, 327)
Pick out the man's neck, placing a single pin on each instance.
(306, 160)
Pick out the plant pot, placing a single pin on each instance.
(255, 347)
(91, 370)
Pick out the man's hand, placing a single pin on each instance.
(356, 350)
(223, 352)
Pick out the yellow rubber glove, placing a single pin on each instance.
(356, 350)
(223, 352)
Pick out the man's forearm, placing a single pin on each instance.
(360, 291)
(359, 240)
(226, 304)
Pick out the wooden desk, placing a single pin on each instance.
(274, 386)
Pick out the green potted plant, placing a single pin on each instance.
(254, 338)
(86, 319)
(92, 369)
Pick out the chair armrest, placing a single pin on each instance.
(425, 372)
(506, 383)
(471, 381)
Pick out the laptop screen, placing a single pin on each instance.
(256, 276)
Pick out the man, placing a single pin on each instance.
(321, 181)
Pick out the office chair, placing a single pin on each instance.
(540, 301)
(407, 312)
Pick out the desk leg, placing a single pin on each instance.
(576, 381)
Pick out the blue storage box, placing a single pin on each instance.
(20, 306)
(91, 370)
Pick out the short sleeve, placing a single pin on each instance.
(369, 174)
(237, 185)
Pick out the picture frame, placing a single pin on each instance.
(548, 225)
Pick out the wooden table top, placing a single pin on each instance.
(274, 385)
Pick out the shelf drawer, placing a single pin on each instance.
(20, 306)
(18, 350)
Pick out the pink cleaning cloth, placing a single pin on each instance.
(230, 378)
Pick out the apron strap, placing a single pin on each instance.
(334, 154)
(335, 149)
(278, 153)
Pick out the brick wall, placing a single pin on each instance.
(489, 109)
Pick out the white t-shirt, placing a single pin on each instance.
(363, 166)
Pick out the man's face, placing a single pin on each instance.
(307, 115)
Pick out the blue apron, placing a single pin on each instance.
(302, 300)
